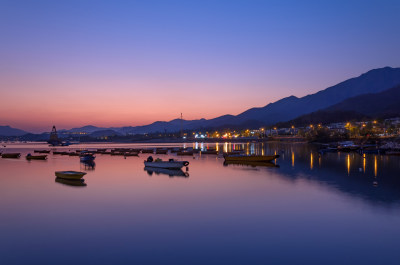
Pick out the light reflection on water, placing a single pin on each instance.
(302, 212)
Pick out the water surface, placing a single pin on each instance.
(337, 208)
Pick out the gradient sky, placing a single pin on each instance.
(121, 63)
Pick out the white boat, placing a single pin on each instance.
(170, 164)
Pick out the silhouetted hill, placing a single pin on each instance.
(9, 131)
(373, 105)
(286, 109)
(373, 81)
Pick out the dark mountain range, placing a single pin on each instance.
(291, 107)
(9, 131)
(283, 110)
(373, 105)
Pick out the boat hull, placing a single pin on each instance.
(38, 157)
(69, 174)
(250, 158)
(11, 155)
(167, 164)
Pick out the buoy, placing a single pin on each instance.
(360, 169)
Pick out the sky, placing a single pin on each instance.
(127, 63)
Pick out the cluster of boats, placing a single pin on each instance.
(169, 167)
(350, 146)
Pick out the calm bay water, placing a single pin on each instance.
(331, 209)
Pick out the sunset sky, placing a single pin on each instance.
(127, 63)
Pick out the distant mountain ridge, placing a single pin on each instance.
(283, 110)
(288, 108)
(384, 104)
(9, 131)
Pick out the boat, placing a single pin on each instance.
(85, 156)
(11, 155)
(393, 153)
(36, 157)
(170, 164)
(131, 154)
(185, 153)
(251, 163)
(166, 171)
(209, 152)
(250, 158)
(71, 182)
(148, 151)
(42, 151)
(161, 151)
(70, 174)
(347, 146)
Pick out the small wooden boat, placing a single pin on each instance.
(70, 174)
(185, 153)
(161, 151)
(170, 164)
(42, 151)
(250, 163)
(84, 157)
(148, 151)
(392, 153)
(73, 154)
(57, 153)
(11, 155)
(131, 154)
(209, 152)
(36, 157)
(250, 158)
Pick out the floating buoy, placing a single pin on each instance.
(375, 183)
(360, 169)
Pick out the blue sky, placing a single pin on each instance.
(202, 58)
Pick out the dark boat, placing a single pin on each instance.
(42, 151)
(36, 157)
(249, 163)
(209, 152)
(11, 155)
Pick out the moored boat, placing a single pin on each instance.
(70, 174)
(251, 163)
(250, 158)
(42, 151)
(170, 164)
(85, 156)
(161, 151)
(209, 152)
(185, 153)
(36, 157)
(148, 151)
(11, 155)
